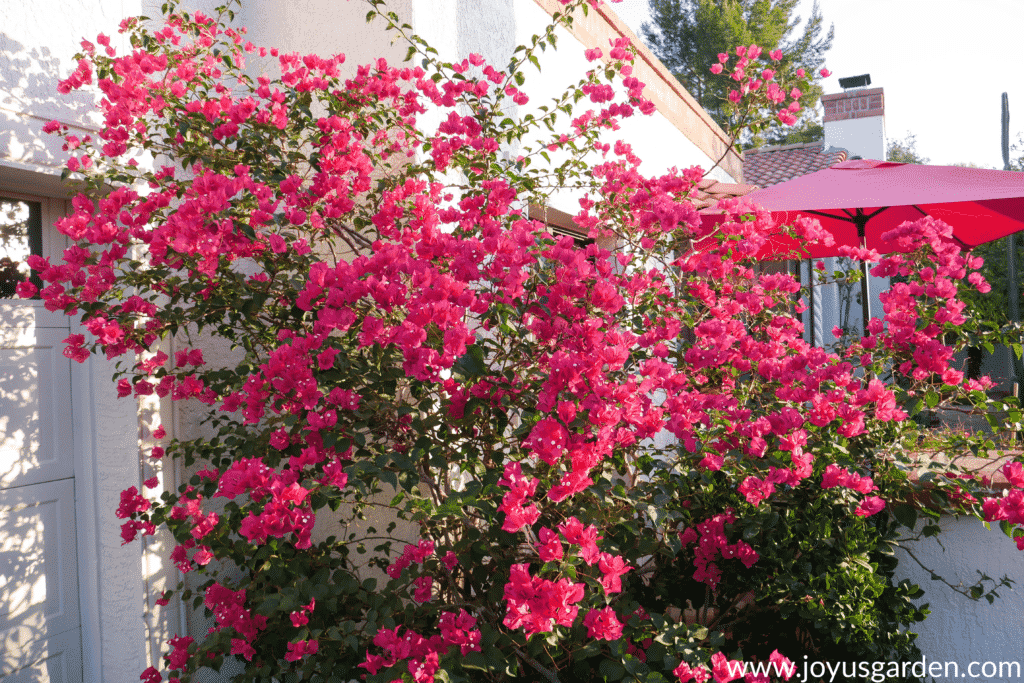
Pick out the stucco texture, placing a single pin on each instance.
(961, 630)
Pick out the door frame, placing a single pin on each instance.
(105, 436)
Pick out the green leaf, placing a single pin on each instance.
(863, 563)
(918, 407)
(655, 514)
(475, 660)
(472, 364)
(635, 667)
(612, 671)
(905, 514)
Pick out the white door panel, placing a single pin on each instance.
(55, 660)
(31, 313)
(35, 407)
(38, 564)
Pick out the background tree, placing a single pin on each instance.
(905, 151)
(688, 35)
(1017, 149)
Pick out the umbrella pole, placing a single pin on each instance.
(865, 307)
(810, 289)
(1013, 294)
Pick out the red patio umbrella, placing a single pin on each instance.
(860, 200)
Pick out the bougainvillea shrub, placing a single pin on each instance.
(617, 460)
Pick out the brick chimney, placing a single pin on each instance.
(855, 120)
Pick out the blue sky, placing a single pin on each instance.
(944, 65)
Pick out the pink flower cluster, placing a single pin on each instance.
(712, 542)
(179, 654)
(612, 567)
(536, 604)
(285, 503)
(421, 654)
(921, 347)
(836, 476)
(132, 504)
(190, 511)
(287, 512)
(1010, 507)
(603, 624)
(411, 554)
(299, 649)
(229, 611)
(418, 554)
(520, 488)
(300, 617)
(757, 80)
(459, 630)
(583, 536)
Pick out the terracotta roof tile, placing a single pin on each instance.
(771, 165)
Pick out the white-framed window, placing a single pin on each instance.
(26, 228)
(21, 235)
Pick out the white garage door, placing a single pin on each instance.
(40, 624)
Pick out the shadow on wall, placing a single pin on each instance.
(30, 100)
(962, 631)
(39, 613)
(37, 645)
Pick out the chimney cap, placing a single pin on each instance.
(855, 81)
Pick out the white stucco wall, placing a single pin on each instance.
(961, 630)
(322, 27)
(37, 44)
